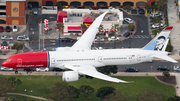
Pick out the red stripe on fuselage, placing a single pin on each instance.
(27, 60)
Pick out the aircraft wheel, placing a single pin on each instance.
(16, 72)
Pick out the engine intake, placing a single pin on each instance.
(70, 76)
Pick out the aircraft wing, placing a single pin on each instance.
(91, 71)
(165, 57)
(86, 40)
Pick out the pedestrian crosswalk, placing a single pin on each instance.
(140, 36)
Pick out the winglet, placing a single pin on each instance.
(169, 28)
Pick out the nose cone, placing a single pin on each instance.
(5, 64)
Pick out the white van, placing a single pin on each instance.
(19, 38)
(42, 69)
(6, 69)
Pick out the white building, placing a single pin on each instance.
(75, 18)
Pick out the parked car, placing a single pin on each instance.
(128, 20)
(8, 28)
(42, 69)
(29, 69)
(156, 25)
(1, 29)
(68, 39)
(99, 39)
(127, 34)
(4, 43)
(6, 37)
(177, 68)
(141, 11)
(15, 29)
(22, 38)
(163, 68)
(112, 38)
(35, 11)
(131, 69)
(6, 69)
(156, 14)
(57, 69)
(118, 35)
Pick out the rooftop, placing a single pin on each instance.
(2, 1)
(75, 16)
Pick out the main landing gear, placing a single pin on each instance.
(16, 72)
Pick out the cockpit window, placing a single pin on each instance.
(9, 60)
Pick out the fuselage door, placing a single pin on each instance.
(138, 57)
(19, 61)
(53, 61)
(131, 58)
(100, 58)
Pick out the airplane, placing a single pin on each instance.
(82, 60)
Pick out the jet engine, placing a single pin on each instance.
(63, 48)
(70, 76)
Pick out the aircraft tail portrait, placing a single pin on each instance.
(160, 42)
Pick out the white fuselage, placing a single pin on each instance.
(99, 58)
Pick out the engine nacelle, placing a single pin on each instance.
(70, 76)
(63, 48)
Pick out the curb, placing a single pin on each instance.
(23, 29)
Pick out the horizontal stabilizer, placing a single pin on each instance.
(165, 57)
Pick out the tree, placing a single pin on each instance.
(130, 27)
(103, 91)
(176, 98)
(115, 28)
(60, 7)
(61, 91)
(74, 91)
(100, 28)
(14, 81)
(116, 96)
(157, 20)
(150, 95)
(169, 47)
(86, 90)
(108, 69)
(60, 26)
(159, 5)
(166, 74)
(128, 7)
(18, 46)
(83, 27)
(5, 86)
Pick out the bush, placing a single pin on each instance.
(108, 69)
(166, 74)
(103, 91)
(176, 98)
(128, 7)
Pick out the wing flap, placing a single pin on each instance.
(91, 71)
(165, 57)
